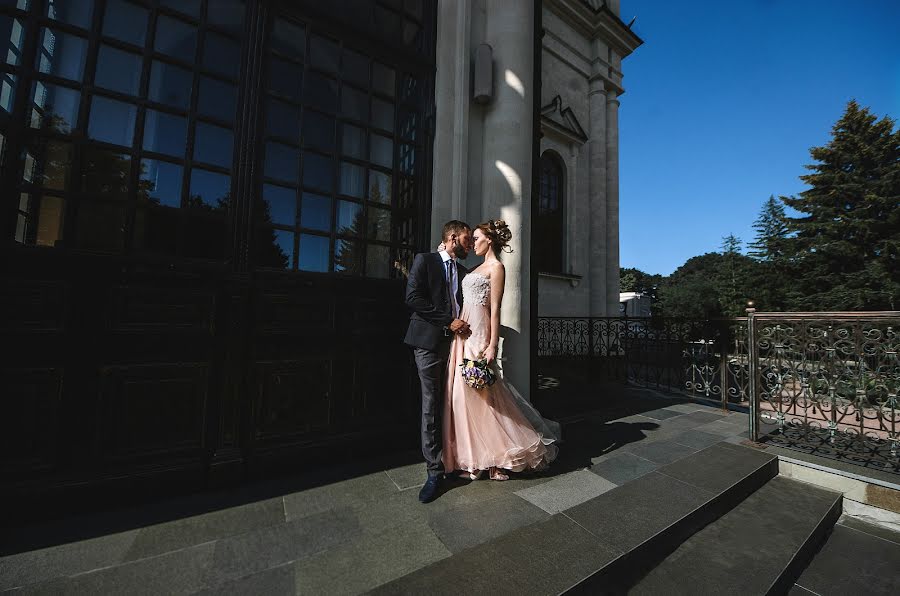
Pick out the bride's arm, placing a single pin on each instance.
(498, 282)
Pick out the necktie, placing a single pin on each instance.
(451, 287)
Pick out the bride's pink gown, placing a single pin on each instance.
(492, 427)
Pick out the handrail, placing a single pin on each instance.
(814, 381)
(881, 314)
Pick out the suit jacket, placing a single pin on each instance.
(427, 297)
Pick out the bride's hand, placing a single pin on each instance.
(441, 247)
(490, 354)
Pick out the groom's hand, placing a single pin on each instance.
(459, 327)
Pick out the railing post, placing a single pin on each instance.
(752, 356)
(623, 335)
(722, 344)
(590, 355)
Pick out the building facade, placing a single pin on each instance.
(209, 206)
(555, 182)
(583, 47)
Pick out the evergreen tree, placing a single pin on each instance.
(847, 241)
(771, 231)
(773, 270)
(732, 278)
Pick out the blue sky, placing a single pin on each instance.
(723, 102)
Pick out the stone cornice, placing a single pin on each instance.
(566, 54)
(594, 19)
(562, 121)
(608, 84)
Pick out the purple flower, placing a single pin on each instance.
(476, 373)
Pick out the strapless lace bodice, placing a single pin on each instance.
(476, 289)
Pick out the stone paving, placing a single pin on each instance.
(360, 527)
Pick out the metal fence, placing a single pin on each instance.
(827, 384)
(705, 359)
(823, 383)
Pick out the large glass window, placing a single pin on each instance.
(127, 118)
(130, 123)
(337, 142)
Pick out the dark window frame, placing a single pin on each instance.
(337, 154)
(550, 225)
(409, 212)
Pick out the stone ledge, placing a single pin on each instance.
(573, 279)
(873, 515)
(855, 487)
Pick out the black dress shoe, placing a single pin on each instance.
(429, 491)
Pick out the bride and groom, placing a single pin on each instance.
(456, 316)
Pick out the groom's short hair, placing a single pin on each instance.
(454, 226)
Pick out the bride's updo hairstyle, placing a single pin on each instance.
(498, 233)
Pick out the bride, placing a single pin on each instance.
(492, 428)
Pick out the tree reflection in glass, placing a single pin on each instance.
(207, 205)
(158, 200)
(54, 107)
(348, 257)
(275, 247)
(100, 215)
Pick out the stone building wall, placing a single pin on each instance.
(582, 49)
(482, 164)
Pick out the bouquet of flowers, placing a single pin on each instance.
(476, 373)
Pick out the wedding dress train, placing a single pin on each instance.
(492, 427)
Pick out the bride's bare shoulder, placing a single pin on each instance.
(497, 269)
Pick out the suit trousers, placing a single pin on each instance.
(432, 375)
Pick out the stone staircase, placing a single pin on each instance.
(720, 521)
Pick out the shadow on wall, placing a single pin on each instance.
(512, 355)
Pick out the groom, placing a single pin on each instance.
(434, 295)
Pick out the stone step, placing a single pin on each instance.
(759, 547)
(857, 558)
(606, 543)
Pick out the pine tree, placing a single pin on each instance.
(732, 278)
(773, 270)
(847, 243)
(771, 231)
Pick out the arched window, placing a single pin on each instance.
(548, 229)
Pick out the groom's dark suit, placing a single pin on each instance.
(428, 296)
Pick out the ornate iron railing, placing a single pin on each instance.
(827, 384)
(823, 383)
(705, 359)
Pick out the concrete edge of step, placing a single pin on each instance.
(619, 574)
(808, 549)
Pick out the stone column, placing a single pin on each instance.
(612, 204)
(451, 97)
(597, 146)
(506, 180)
